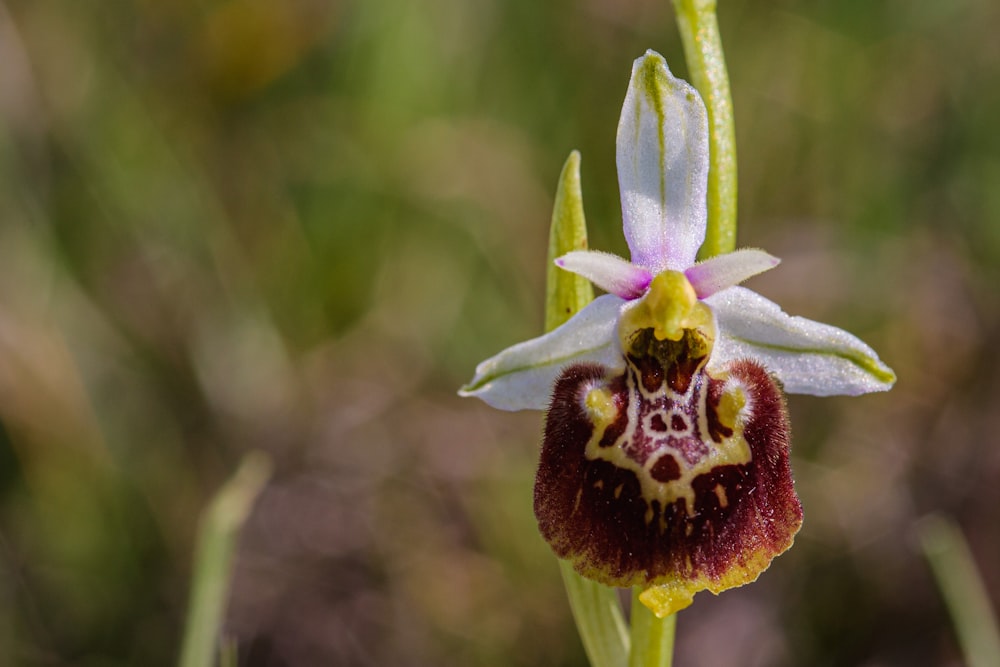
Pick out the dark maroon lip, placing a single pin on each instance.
(598, 513)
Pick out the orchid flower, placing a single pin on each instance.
(665, 456)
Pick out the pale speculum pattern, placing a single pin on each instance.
(667, 423)
(668, 430)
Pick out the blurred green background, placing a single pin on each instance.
(297, 225)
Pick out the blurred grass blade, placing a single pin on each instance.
(217, 538)
(962, 588)
(652, 638)
(228, 653)
(596, 610)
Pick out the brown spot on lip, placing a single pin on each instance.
(680, 374)
(657, 424)
(665, 469)
(677, 423)
(650, 371)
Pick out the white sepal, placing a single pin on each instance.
(521, 377)
(807, 356)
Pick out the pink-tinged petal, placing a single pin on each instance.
(662, 167)
(521, 377)
(808, 357)
(716, 274)
(609, 272)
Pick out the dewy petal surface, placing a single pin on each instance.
(609, 272)
(521, 377)
(808, 357)
(722, 271)
(662, 167)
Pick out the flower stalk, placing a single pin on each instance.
(699, 29)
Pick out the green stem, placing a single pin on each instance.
(699, 30)
(962, 588)
(652, 638)
(217, 537)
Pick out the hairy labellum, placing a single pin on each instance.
(667, 476)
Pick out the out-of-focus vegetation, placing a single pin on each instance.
(297, 225)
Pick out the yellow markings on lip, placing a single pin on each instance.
(666, 600)
(600, 405)
(720, 493)
(731, 405)
(669, 598)
(732, 450)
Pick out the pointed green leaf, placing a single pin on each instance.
(566, 293)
